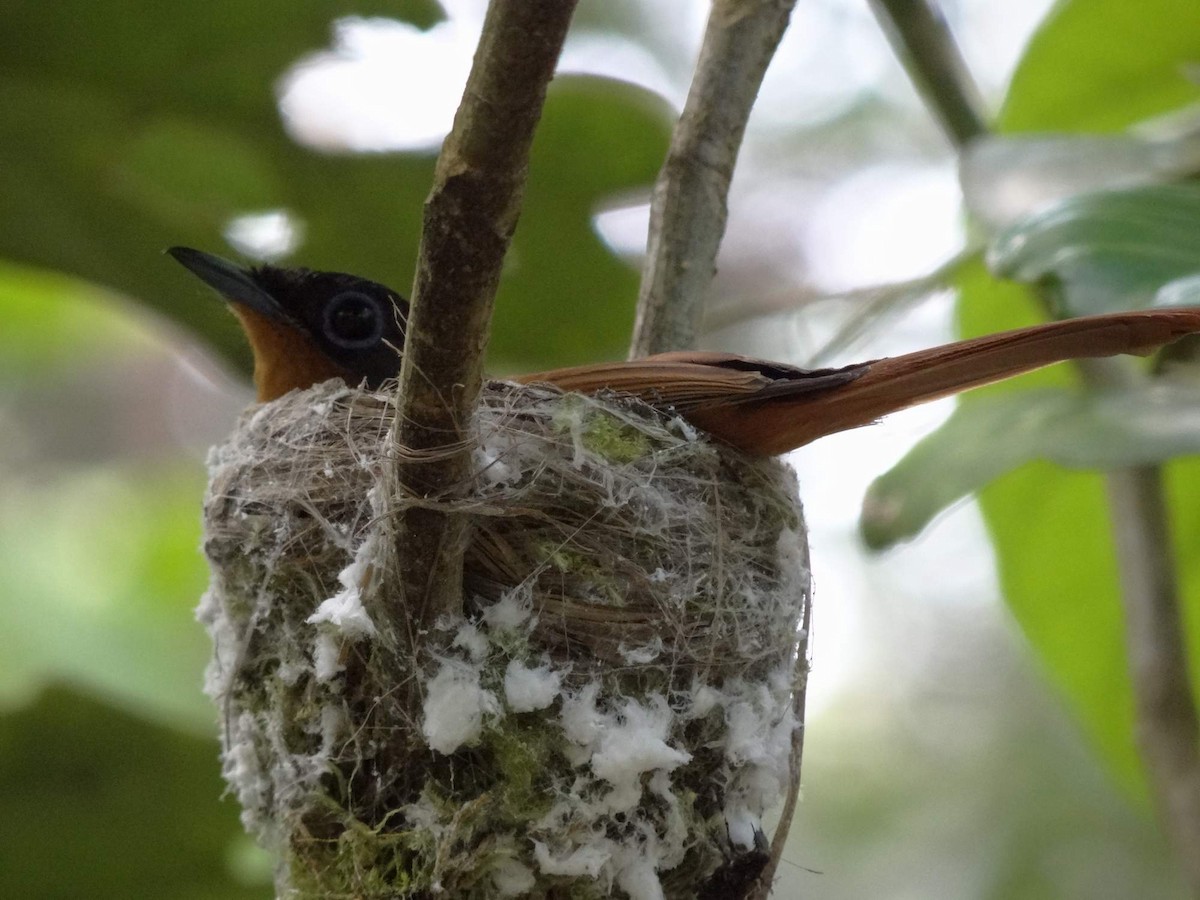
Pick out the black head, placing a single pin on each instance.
(358, 325)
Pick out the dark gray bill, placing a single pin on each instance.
(230, 280)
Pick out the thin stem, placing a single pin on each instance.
(690, 203)
(470, 216)
(921, 39)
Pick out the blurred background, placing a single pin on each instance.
(969, 730)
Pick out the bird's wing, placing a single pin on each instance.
(691, 380)
(766, 408)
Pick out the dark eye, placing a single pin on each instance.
(353, 320)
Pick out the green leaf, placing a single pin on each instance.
(1102, 65)
(1094, 65)
(1142, 425)
(1106, 251)
(128, 128)
(1052, 541)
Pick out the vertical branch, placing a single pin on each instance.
(690, 203)
(1165, 711)
(470, 216)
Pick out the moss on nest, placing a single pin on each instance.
(612, 715)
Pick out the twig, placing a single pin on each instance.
(690, 204)
(1165, 705)
(1167, 722)
(469, 220)
(919, 36)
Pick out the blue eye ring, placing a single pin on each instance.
(353, 320)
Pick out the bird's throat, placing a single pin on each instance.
(284, 358)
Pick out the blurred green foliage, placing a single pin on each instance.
(100, 804)
(132, 126)
(103, 606)
(1094, 65)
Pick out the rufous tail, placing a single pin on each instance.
(782, 423)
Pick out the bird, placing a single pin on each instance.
(306, 327)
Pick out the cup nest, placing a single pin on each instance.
(612, 714)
